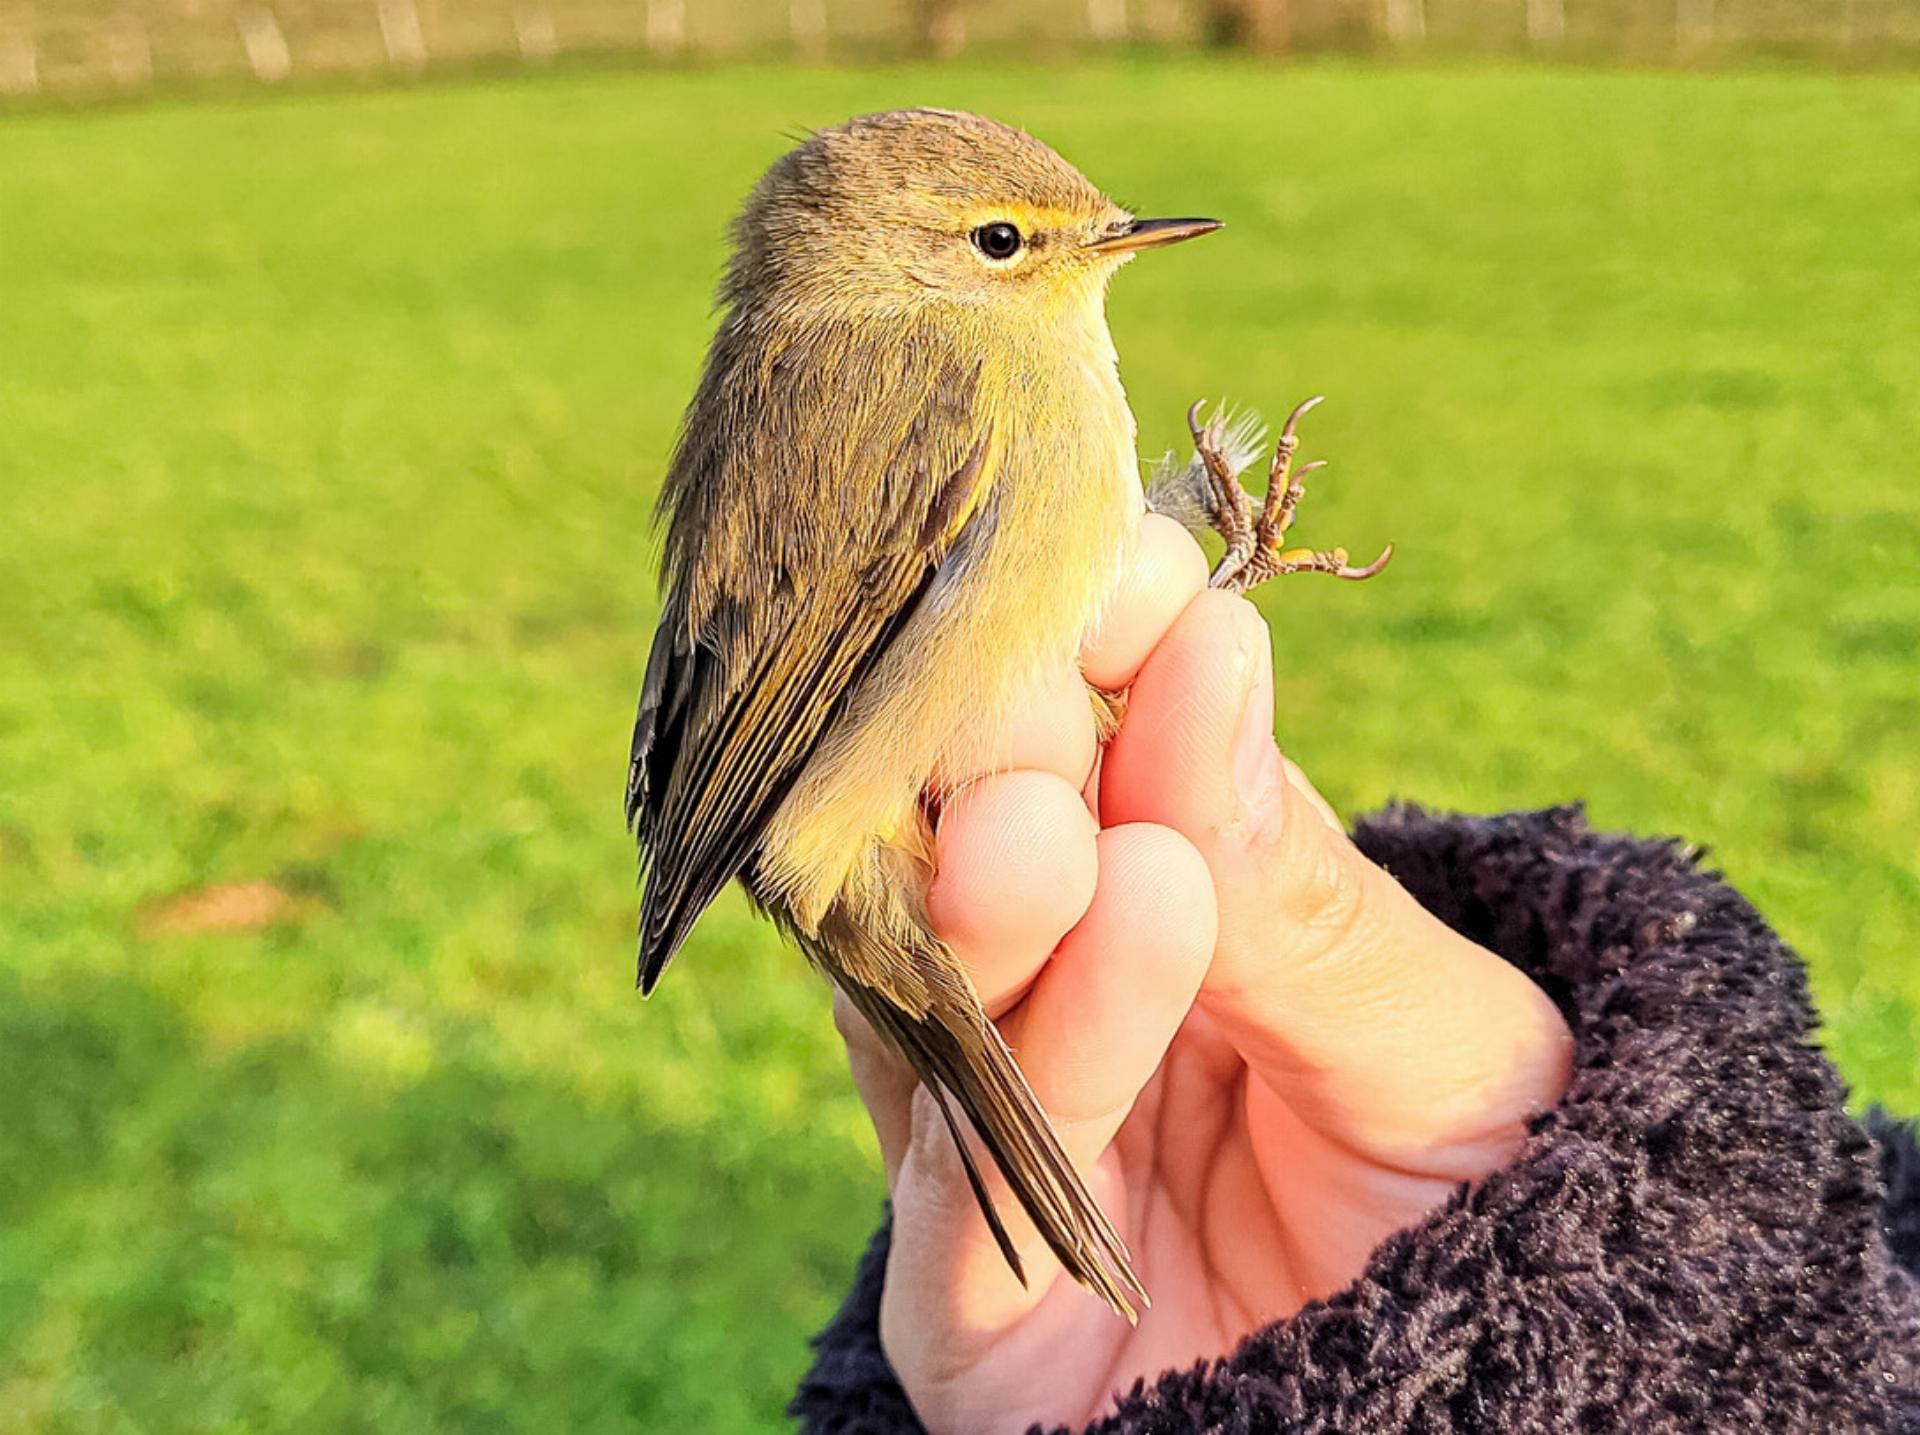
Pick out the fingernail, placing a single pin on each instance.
(1256, 759)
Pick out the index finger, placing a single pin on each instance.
(1168, 572)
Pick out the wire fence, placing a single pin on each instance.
(85, 47)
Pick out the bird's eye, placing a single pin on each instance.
(997, 241)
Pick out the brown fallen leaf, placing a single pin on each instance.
(222, 907)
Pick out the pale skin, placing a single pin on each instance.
(1266, 1056)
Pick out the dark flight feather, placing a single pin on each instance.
(742, 686)
(958, 1052)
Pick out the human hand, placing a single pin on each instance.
(1263, 1053)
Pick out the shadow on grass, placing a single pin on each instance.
(263, 1239)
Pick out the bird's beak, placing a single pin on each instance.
(1151, 234)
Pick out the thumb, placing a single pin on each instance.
(1377, 1024)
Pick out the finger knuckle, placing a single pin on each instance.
(1328, 897)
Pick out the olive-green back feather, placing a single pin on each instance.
(824, 474)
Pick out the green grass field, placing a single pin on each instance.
(329, 428)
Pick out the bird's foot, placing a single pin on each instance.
(1109, 711)
(1254, 552)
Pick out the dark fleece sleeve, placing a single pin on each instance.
(1695, 1239)
(1900, 1174)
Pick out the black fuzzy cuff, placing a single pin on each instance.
(1697, 1238)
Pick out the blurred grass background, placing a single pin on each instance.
(80, 49)
(328, 435)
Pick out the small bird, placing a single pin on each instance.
(904, 488)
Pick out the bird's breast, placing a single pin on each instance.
(1017, 594)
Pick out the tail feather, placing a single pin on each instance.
(957, 1051)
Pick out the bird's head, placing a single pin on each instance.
(892, 213)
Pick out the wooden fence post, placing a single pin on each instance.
(129, 51)
(807, 24)
(940, 27)
(1107, 19)
(1163, 20)
(1406, 21)
(19, 56)
(1693, 24)
(533, 29)
(666, 26)
(1849, 24)
(1265, 26)
(400, 33)
(266, 47)
(1546, 22)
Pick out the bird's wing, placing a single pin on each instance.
(814, 497)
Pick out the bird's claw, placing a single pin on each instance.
(1254, 553)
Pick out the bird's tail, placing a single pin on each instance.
(930, 1014)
